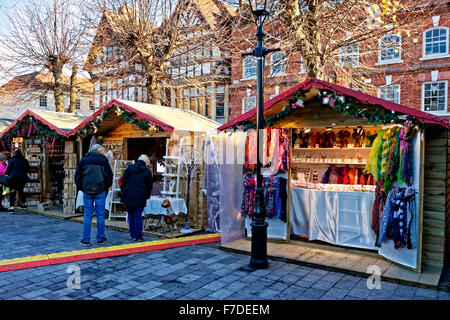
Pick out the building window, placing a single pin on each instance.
(220, 101)
(91, 105)
(390, 93)
(350, 56)
(390, 48)
(249, 68)
(434, 96)
(248, 103)
(43, 101)
(302, 66)
(278, 64)
(435, 42)
(78, 104)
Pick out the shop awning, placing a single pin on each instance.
(281, 100)
(60, 122)
(167, 118)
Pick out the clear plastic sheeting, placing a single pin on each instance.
(337, 217)
(211, 189)
(405, 256)
(231, 185)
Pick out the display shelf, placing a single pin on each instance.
(331, 149)
(330, 163)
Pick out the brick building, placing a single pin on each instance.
(414, 72)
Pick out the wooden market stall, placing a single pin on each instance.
(41, 136)
(349, 155)
(128, 129)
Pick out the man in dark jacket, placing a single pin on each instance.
(17, 172)
(136, 188)
(94, 177)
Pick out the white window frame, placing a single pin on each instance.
(438, 55)
(41, 105)
(78, 104)
(440, 112)
(398, 46)
(246, 61)
(278, 63)
(390, 85)
(342, 57)
(244, 102)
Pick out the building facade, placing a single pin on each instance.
(414, 72)
(198, 74)
(33, 91)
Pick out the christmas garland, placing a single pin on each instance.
(338, 103)
(35, 128)
(92, 126)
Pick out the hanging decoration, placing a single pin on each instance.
(27, 127)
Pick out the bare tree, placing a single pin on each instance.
(161, 47)
(145, 33)
(335, 40)
(43, 36)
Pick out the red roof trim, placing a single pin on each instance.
(34, 115)
(127, 108)
(362, 97)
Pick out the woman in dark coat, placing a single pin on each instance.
(136, 188)
(17, 172)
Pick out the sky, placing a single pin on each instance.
(6, 5)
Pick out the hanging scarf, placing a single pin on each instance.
(390, 158)
(406, 155)
(249, 197)
(316, 139)
(269, 196)
(249, 165)
(377, 210)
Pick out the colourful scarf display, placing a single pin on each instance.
(373, 163)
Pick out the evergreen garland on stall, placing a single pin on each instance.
(333, 100)
(92, 126)
(28, 127)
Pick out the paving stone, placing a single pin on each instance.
(153, 293)
(221, 294)
(323, 285)
(359, 293)
(106, 293)
(200, 293)
(335, 294)
(426, 293)
(188, 278)
(312, 294)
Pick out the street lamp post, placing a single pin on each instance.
(259, 225)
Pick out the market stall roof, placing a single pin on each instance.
(60, 122)
(280, 101)
(169, 119)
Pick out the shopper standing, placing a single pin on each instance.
(136, 188)
(17, 172)
(94, 177)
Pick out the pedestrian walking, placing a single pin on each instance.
(3, 167)
(93, 177)
(136, 188)
(17, 172)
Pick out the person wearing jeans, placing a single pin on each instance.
(136, 188)
(91, 203)
(93, 177)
